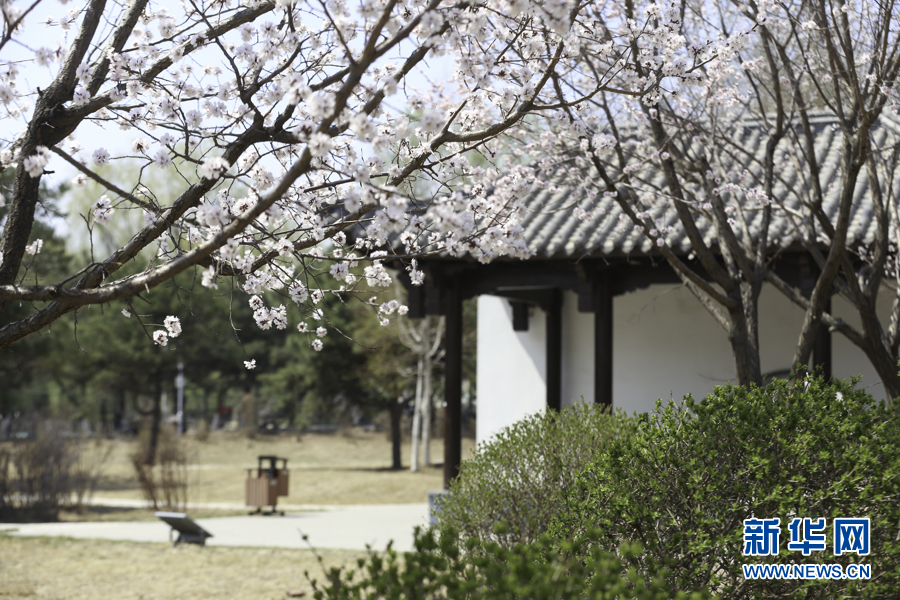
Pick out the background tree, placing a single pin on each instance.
(424, 339)
(388, 374)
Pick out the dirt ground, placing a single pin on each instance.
(349, 467)
(56, 569)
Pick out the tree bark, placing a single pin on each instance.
(427, 425)
(878, 351)
(119, 411)
(417, 416)
(744, 338)
(396, 408)
(104, 417)
(155, 421)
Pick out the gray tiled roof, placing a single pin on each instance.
(553, 230)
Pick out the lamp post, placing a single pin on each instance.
(179, 391)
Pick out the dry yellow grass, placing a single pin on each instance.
(343, 468)
(52, 568)
(350, 467)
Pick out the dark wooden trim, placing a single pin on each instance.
(554, 351)
(415, 300)
(508, 277)
(519, 315)
(453, 383)
(822, 347)
(603, 339)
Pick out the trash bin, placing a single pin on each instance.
(266, 483)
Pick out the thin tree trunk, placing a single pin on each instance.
(206, 407)
(426, 411)
(220, 405)
(417, 416)
(119, 411)
(155, 420)
(104, 417)
(396, 408)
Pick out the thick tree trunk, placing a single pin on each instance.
(745, 347)
(878, 351)
(886, 367)
(396, 408)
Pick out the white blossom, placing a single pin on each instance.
(208, 278)
(173, 326)
(162, 159)
(100, 157)
(34, 164)
(34, 248)
(140, 144)
(102, 210)
(320, 144)
(213, 168)
(339, 271)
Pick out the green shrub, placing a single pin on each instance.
(439, 569)
(520, 477)
(684, 483)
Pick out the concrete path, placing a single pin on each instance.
(337, 527)
(134, 503)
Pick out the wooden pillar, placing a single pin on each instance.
(520, 315)
(554, 351)
(453, 384)
(601, 296)
(822, 347)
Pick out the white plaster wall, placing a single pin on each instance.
(665, 345)
(577, 352)
(511, 367)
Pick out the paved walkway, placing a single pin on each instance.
(338, 527)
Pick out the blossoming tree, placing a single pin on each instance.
(287, 123)
(787, 138)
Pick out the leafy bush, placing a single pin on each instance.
(486, 570)
(684, 483)
(520, 477)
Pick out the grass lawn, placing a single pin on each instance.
(350, 467)
(56, 568)
(341, 468)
